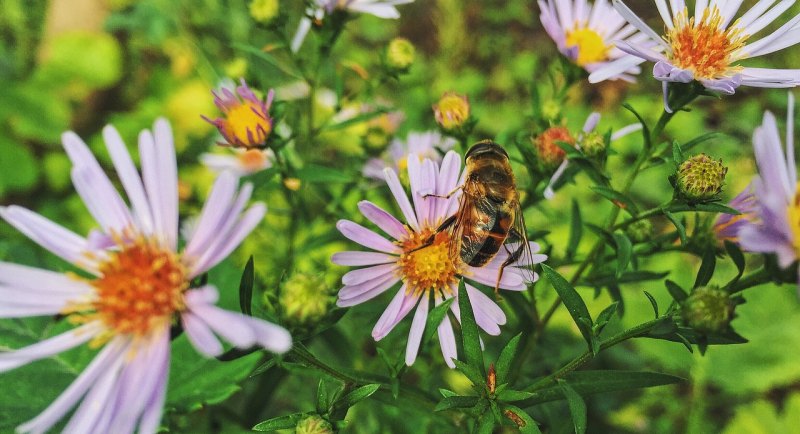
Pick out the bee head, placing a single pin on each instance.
(486, 148)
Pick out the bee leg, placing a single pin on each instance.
(512, 258)
(442, 227)
(448, 196)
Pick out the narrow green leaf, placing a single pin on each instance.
(470, 339)
(678, 225)
(602, 233)
(358, 394)
(736, 255)
(715, 207)
(282, 422)
(698, 140)
(605, 316)
(617, 198)
(676, 291)
(246, 288)
(593, 382)
(446, 393)
(507, 356)
(624, 250)
(263, 55)
(576, 230)
(645, 129)
(572, 301)
(521, 419)
(706, 268)
(323, 402)
(435, 317)
(456, 401)
(577, 407)
(677, 154)
(313, 173)
(509, 395)
(471, 372)
(653, 302)
(485, 423)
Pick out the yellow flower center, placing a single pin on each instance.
(793, 212)
(591, 46)
(245, 124)
(252, 159)
(451, 111)
(139, 290)
(430, 267)
(704, 47)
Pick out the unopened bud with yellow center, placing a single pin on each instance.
(263, 11)
(708, 310)
(313, 424)
(701, 177)
(593, 145)
(452, 111)
(246, 122)
(640, 231)
(304, 299)
(292, 184)
(549, 154)
(400, 54)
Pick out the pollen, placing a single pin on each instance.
(591, 47)
(139, 290)
(428, 267)
(704, 47)
(245, 125)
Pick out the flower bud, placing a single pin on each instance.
(593, 145)
(551, 110)
(400, 54)
(708, 309)
(263, 11)
(246, 121)
(292, 184)
(304, 299)
(313, 424)
(452, 111)
(545, 146)
(640, 231)
(701, 177)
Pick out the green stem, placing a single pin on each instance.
(758, 277)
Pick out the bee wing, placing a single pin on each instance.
(466, 243)
(519, 249)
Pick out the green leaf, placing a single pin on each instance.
(677, 154)
(323, 400)
(263, 55)
(521, 419)
(706, 271)
(435, 317)
(485, 423)
(246, 288)
(593, 382)
(470, 339)
(471, 372)
(653, 302)
(576, 230)
(457, 401)
(509, 395)
(624, 250)
(572, 301)
(617, 198)
(678, 225)
(698, 140)
(645, 128)
(605, 316)
(358, 394)
(313, 173)
(715, 207)
(576, 406)
(282, 422)
(507, 356)
(736, 255)
(676, 291)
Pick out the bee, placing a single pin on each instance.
(489, 216)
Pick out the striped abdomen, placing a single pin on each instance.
(482, 240)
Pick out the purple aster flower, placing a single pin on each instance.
(727, 226)
(707, 46)
(427, 275)
(135, 287)
(428, 145)
(587, 34)
(587, 140)
(776, 228)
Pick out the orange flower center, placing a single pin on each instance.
(244, 123)
(428, 267)
(704, 47)
(139, 290)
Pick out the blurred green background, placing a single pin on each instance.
(80, 64)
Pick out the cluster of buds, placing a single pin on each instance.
(700, 178)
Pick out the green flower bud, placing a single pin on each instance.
(593, 145)
(701, 177)
(400, 54)
(313, 424)
(304, 299)
(551, 110)
(264, 11)
(708, 309)
(640, 231)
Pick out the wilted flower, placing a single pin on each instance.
(708, 309)
(138, 284)
(452, 111)
(427, 272)
(430, 145)
(242, 162)
(775, 227)
(379, 8)
(549, 154)
(246, 122)
(400, 54)
(587, 33)
(701, 177)
(264, 10)
(727, 226)
(707, 46)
